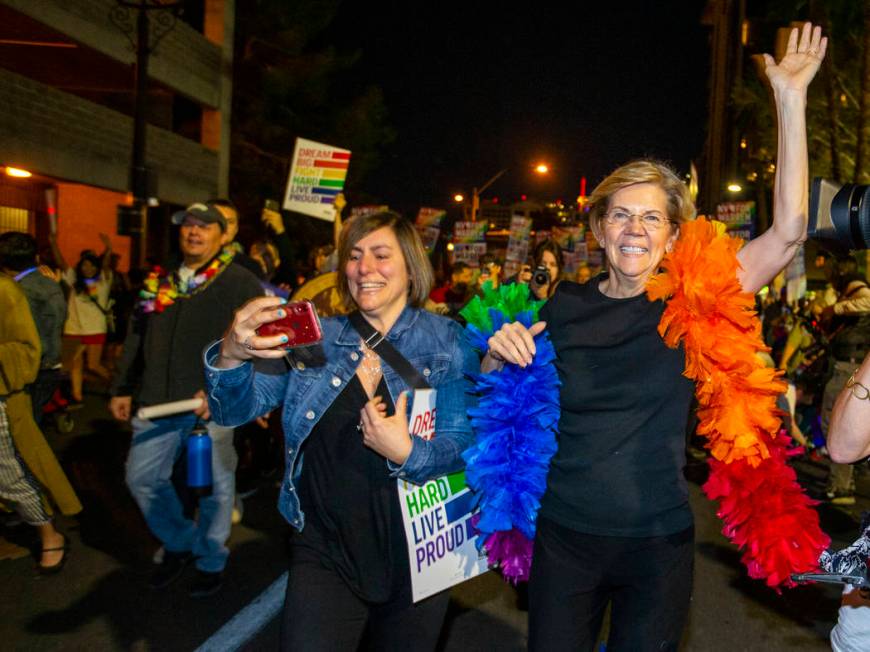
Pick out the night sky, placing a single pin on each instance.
(471, 89)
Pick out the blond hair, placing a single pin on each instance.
(680, 206)
(417, 262)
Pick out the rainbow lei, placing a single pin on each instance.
(160, 290)
(764, 509)
(515, 426)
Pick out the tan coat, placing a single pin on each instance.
(19, 364)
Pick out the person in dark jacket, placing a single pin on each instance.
(47, 305)
(177, 316)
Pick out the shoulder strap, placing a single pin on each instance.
(378, 343)
(855, 290)
(105, 311)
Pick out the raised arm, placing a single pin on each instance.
(762, 258)
(106, 256)
(55, 251)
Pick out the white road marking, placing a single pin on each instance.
(246, 624)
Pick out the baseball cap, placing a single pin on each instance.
(203, 213)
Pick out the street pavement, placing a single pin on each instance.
(100, 601)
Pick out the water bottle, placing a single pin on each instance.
(199, 461)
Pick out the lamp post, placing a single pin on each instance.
(540, 168)
(475, 195)
(166, 12)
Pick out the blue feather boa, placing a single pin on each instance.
(515, 426)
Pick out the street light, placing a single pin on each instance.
(542, 168)
(734, 187)
(458, 198)
(18, 173)
(475, 197)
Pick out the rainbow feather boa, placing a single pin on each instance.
(765, 511)
(515, 423)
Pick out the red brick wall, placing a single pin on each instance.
(83, 213)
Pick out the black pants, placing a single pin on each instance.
(322, 613)
(41, 391)
(574, 575)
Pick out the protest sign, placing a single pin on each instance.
(428, 225)
(430, 217)
(468, 242)
(567, 237)
(518, 245)
(317, 175)
(437, 517)
(469, 231)
(738, 217)
(468, 253)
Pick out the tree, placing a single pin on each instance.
(289, 82)
(837, 111)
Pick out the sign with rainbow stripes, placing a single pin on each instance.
(316, 177)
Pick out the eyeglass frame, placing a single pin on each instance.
(606, 218)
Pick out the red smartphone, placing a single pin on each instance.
(301, 325)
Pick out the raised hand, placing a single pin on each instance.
(241, 342)
(273, 220)
(802, 59)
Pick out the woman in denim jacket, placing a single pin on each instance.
(345, 414)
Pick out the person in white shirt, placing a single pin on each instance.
(84, 334)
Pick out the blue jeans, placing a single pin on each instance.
(155, 448)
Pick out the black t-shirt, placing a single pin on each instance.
(625, 404)
(352, 515)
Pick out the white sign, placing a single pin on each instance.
(317, 175)
(437, 516)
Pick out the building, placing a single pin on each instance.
(67, 78)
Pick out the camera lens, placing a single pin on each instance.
(541, 276)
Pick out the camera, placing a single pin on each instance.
(540, 276)
(839, 217)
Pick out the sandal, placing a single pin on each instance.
(54, 569)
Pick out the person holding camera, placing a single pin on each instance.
(615, 523)
(345, 404)
(547, 269)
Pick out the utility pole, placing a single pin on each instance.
(133, 221)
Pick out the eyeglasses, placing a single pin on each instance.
(649, 221)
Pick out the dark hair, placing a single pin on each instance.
(80, 285)
(488, 259)
(458, 267)
(420, 274)
(843, 281)
(553, 248)
(17, 250)
(222, 202)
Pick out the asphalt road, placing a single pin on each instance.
(101, 600)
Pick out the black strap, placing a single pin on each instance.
(380, 345)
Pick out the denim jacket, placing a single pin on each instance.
(434, 345)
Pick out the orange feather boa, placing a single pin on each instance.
(764, 509)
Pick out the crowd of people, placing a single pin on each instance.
(818, 342)
(615, 524)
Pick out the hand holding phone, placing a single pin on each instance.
(300, 324)
(271, 216)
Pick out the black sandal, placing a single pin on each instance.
(54, 569)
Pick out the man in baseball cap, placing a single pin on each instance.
(205, 213)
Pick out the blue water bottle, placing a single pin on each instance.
(199, 461)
